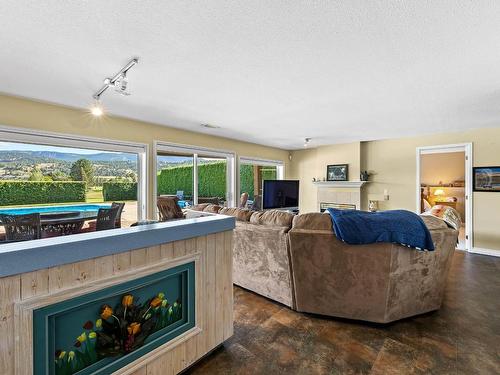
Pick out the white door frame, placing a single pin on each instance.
(457, 147)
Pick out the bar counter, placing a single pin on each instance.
(45, 275)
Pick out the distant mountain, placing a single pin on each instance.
(45, 156)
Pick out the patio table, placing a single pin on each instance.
(64, 223)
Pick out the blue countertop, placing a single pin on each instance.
(20, 257)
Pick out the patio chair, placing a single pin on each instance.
(119, 217)
(257, 203)
(168, 208)
(243, 200)
(21, 227)
(92, 225)
(106, 218)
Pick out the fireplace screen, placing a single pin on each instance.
(323, 206)
(100, 332)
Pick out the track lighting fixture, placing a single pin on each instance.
(119, 82)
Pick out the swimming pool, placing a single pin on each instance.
(63, 208)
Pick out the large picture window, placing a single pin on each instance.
(195, 175)
(53, 185)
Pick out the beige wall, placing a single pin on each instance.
(393, 167)
(446, 168)
(24, 113)
(392, 161)
(311, 163)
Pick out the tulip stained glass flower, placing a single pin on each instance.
(106, 312)
(134, 328)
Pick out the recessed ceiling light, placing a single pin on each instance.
(210, 126)
(307, 141)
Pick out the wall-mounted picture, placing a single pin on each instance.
(487, 179)
(336, 172)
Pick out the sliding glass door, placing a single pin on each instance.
(252, 173)
(195, 175)
(175, 176)
(212, 180)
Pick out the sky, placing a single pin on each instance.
(9, 146)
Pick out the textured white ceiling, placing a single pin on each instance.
(270, 72)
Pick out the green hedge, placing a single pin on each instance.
(39, 192)
(211, 177)
(119, 191)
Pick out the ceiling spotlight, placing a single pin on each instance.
(307, 141)
(97, 109)
(120, 83)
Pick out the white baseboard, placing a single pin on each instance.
(491, 252)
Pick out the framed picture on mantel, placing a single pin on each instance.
(337, 172)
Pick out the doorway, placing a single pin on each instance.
(444, 177)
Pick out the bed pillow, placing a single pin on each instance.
(427, 205)
(448, 214)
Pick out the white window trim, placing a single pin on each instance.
(230, 156)
(32, 136)
(280, 166)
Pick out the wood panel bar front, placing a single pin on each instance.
(213, 295)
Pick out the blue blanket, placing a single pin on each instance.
(397, 226)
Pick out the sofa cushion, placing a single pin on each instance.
(199, 207)
(313, 221)
(239, 213)
(272, 217)
(433, 223)
(448, 214)
(213, 208)
(192, 214)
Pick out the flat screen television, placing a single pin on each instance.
(280, 194)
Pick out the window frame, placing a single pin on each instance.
(195, 151)
(38, 137)
(279, 164)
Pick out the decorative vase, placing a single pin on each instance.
(373, 206)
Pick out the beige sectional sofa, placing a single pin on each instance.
(298, 261)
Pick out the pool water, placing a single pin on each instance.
(63, 208)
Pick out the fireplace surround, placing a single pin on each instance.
(323, 206)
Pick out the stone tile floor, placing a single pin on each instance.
(463, 337)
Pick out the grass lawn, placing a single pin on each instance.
(94, 195)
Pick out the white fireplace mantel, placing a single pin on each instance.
(340, 184)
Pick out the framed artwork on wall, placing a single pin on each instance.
(337, 172)
(486, 179)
